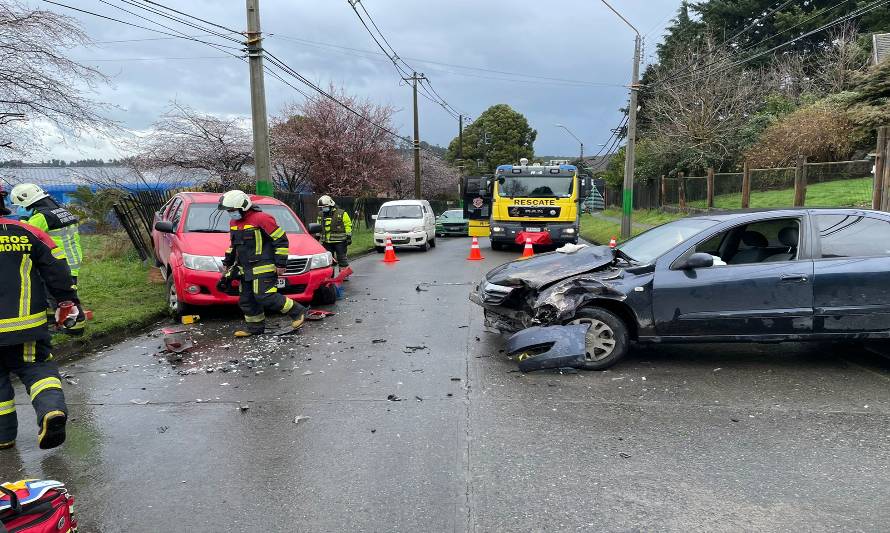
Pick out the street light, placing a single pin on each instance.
(576, 138)
(630, 153)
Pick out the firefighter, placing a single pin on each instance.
(258, 255)
(336, 229)
(46, 214)
(30, 263)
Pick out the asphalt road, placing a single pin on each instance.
(712, 438)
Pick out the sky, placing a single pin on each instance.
(455, 43)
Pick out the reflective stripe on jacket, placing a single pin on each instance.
(336, 227)
(259, 245)
(30, 264)
(62, 227)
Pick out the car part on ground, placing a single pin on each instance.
(539, 348)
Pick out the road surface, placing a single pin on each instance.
(789, 437)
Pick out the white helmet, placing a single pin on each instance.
(25, 194)
(235, 200)
(326, 201)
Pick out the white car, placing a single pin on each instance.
(407, 223)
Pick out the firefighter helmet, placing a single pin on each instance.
(235, 200)
(25, 194)
(326, 201)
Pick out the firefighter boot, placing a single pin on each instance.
(253, 328)
(7, 445)
(296, 312)
(52, 432)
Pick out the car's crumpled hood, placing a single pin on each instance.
(545, 269)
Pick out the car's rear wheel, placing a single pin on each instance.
(497, 246)
(433, 243)
(176, 306)
(607, 339)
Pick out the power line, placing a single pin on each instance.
(191, 16)
(106, 17)
(126, 59)
(150, 10)
(845, 18)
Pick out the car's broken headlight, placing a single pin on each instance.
(321, 260)
(207, 263)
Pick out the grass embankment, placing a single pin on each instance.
(362, 240)
(841, 193)
(117, 287)
(600, 229)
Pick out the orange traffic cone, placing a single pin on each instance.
(529, 250)
(475, 252)
(613, 243)
(389, 255)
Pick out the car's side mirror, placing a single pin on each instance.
(696, 260)
(164, 226)
(314, 228)
(373, 217)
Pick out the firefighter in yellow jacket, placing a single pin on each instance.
(336, 229)
(30, 263)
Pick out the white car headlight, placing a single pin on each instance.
(321, 260)
(207, 263)
(569, 230)
(497, 229)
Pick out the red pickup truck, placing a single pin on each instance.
(190, 239)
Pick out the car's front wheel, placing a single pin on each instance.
(176, 306)
(607, 340)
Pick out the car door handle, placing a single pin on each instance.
(797, 278)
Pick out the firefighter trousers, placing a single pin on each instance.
(261, 295)
(338, 249)
(32, 363)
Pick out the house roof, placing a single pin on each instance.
(880, 47)
(69, 178)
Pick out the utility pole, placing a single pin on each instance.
(630, 153)
(460, 137)
(628, 199)
(262, 157)
(417, 187)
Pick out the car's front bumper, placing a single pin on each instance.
(198, 287)
(413, 238)
(491, 298)
(453, 229)
(560, 232)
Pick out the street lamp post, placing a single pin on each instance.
(576, 138)
(630, 153)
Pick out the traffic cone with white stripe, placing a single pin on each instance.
(529, 250)
(613, 243)
(389, 254)
(475, 252)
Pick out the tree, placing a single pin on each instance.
(184, 139)
(499, 136)
(38, 82)
(695, 119)
(821, 132)
(95, 207)
(333, 151)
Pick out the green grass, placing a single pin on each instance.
(651, 217)
(841, 193)
(362, 240)
(115, 285)
(600, 231)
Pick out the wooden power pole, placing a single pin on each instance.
(417, 186)
(262, 156)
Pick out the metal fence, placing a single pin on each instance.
(834, 184)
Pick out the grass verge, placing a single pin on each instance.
(117, 287)
(599, 230)
(841, 193)
(362, 240)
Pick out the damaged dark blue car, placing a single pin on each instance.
(761, 276)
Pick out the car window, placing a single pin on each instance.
(853, 236)
(651, 245)
(175, 212)
(207, 218)
(757, 242)
(164, 211)
(400, 211)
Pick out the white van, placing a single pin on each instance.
(407, 222)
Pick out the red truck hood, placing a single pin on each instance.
(215, 244)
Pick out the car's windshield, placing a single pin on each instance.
(400, 211)
(536, 186)
(207, 218)
(651, 245)
(453, 214)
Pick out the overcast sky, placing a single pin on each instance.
(563, 39)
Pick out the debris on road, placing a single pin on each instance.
(394, 398)
(300, 418)
(163, 429)
(177, 340)
(625, 455)
(455, 379)
(418, 289)
(139, 402)
(412, 349)
(378, 341)
(419, 399)
(544, 347)
(307, 373)
(243, 408)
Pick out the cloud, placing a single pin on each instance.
(557, 39)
